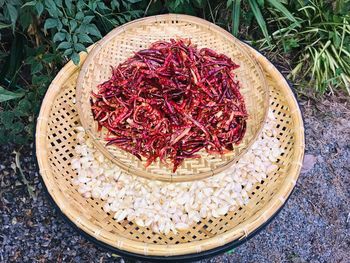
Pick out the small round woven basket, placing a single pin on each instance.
(55, 147)
(120, 44)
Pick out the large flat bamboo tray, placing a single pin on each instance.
(120, 44)
(55, 142)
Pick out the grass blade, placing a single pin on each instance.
(280, 7)
(346, 81)
(236, 10)
(296, 70)
(2, 25)
(6, 95)
(319, 55)
(260, 19)
(342, 36)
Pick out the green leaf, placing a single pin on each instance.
(6, 95)
(127, 17)
(80, 4)
(75, 58)
(73, 25)
(59, 36)
(52, 9)
(68, 51)
(75, 39)
(50, 23)
(84, 38)
(290, 44)
(121, 19)
(92, 30)
(113, 22)
(87, 19)
(69, 5)
(24, 106)
(280, 7)
(2, 25)
(59, 3)
(7, 118)
(261, 3)
(31, 96)
(37, 67)
(79, 16)
(41, 80)
(30, 3)
(79, 47)
(12, 11)
(17, 127)
(338, 71)
(36, 80)
(25, 17)
(336, 40)
(68, 37)
(259, 18)
(64, 45)
(60, 26)
(65, 21)
(30, 60)
(92, 5)
(236, 9)
(102, 6)
(29, 128)
(174, 6)
(48, 58)
(39, 8)
(115, 5)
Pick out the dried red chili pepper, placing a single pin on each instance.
(171, 101)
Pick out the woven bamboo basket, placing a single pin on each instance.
(120, 44)
(55, 143)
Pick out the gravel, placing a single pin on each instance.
(313, 226)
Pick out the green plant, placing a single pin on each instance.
(319, 42)
(228, 13)
(75, 24)
(37, 38)
(255, 7)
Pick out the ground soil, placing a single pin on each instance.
(312, 227)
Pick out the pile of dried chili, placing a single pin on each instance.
(170, 101)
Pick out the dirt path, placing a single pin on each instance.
(313, 226)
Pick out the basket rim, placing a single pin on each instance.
(140, 172)
(239, 232)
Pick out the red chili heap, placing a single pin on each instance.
(170, 101)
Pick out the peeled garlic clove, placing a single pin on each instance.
(222, 210)
(76, 165)
(203, 212)
(120, 215)
(106, 207)
(215, 213)
(139, 222)
(271, 168)
(182, 226)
